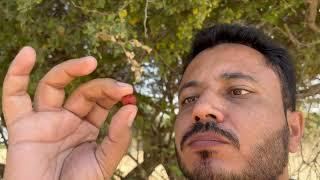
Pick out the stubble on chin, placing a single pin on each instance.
(268, 160)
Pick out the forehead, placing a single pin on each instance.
(228, 58)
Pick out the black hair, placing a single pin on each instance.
(276, 56)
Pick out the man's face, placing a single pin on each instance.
(231, 122)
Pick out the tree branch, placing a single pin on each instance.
(5, 141)
(288, 33)
(293, 39)
(311, 91)
(2, 166)
(312, 15)
(148, 166)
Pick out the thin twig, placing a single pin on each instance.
(138, 164)
(287, 33)
(89, 10)
(134, 159)
(145, 19)
(291, 36)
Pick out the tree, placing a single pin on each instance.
(144, 41)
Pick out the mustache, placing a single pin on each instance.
(211, 126)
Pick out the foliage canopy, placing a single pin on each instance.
(144, 41)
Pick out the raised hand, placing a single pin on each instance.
(54, 139)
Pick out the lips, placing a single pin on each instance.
(204, 141)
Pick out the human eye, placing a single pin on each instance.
(189, 100)
(238, 92)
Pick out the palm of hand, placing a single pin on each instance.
(55, 140)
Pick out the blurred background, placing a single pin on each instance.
(143, 42)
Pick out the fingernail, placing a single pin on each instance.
(89, 58)
(121, 84)
(131, 118)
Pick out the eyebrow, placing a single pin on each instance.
(237, 75)
(188, 84)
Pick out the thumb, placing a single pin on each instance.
(115, 145)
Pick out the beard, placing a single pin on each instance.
(267, 161)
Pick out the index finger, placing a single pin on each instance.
(50, 91)
(15, 100)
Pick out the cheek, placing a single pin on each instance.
(181, 125)
(254, 122)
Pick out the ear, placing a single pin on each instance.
(296, 128)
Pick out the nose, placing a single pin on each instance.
(208, 109)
